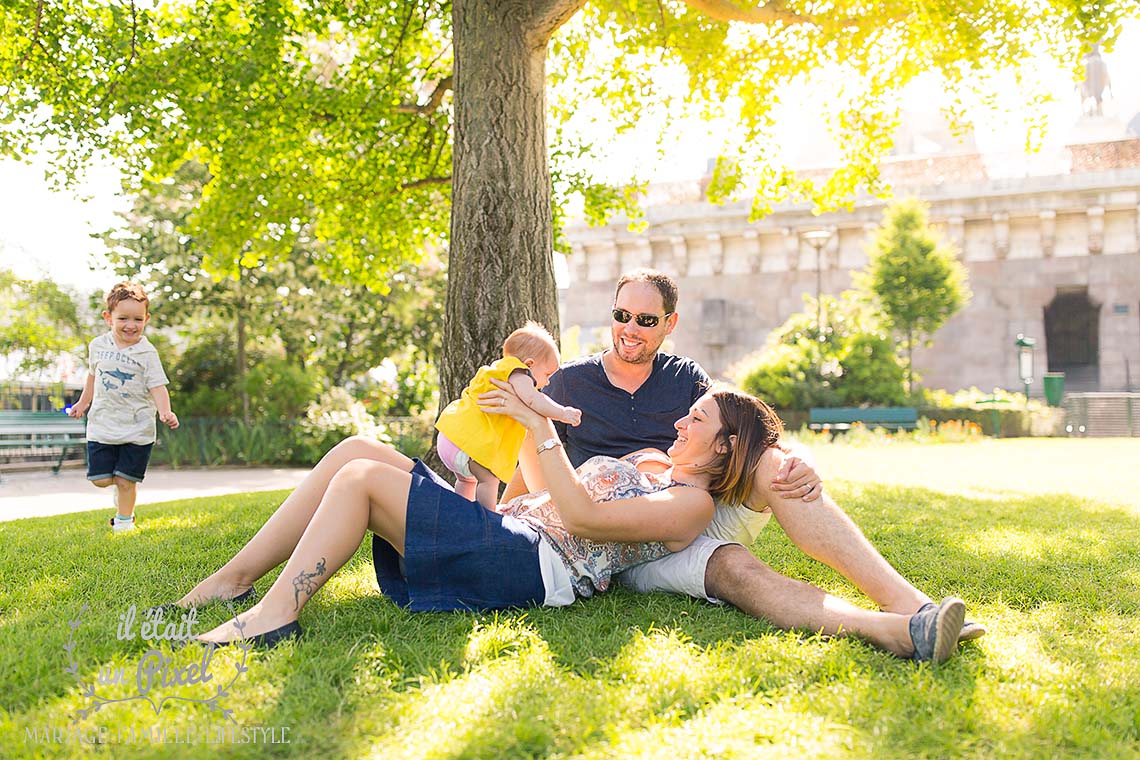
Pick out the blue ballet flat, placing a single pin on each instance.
(266, 640)
(172, 608)
(270, 639)
(246, 596)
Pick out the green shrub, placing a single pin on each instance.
(410, 435)
(336, 415)
(216, 442)
(204, 380)
(998, 412)
(279, 388)
(213, 442)
(855, 363)
(404, 386)
(785, 376)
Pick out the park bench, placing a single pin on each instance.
(24, 432)
(838, 419)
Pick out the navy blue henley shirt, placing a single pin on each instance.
(615, 422)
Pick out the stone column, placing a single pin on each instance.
(578, 267)
(634, 253)
(715, 244)
(1096, 229)
(956, 233)
(680, 254)
(602, 261)
(669, 254)
(1048, 233)
(1001, 235)
(750, 252)
(792, 247)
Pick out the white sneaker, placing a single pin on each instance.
(121, 527)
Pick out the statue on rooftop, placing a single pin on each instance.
(1096, 81)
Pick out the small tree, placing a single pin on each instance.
(915, 277)
(41, 322)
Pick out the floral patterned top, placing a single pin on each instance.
(592, 564)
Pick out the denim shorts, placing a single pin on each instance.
(457, 555)
(127, 460)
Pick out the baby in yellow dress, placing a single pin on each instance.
(483, 449)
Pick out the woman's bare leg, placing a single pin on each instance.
(363, 495)
(278, 537)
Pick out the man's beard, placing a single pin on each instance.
(643, 354)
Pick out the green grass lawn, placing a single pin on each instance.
(1041, 538)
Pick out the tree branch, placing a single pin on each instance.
(433, 102)
(548, 15)
(728, 10)
(425, 182)
(130, 60)
(35, 39)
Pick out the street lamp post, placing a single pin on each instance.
(818, 238)
(1025, 361)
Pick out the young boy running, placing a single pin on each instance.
(125, 386)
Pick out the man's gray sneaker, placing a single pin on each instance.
(970, 631)
(934, 630)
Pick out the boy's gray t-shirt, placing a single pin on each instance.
(123, 411)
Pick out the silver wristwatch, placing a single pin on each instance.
(548, 444)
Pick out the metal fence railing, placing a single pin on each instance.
(1103, 415)
(212, 442)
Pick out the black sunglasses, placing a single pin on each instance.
(643, 320)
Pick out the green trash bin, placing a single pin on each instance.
(1054, 387)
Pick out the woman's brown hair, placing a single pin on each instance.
(756, 427)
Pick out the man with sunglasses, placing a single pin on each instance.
(631, 395)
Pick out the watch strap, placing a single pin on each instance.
(548, 444)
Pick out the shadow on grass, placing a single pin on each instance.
(625, 673)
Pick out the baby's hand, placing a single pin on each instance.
(170, 419)
(572, 416)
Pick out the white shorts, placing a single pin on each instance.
(681, 573)
(684, 571)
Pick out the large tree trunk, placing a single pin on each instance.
(500, 265)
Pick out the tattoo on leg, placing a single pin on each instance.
(304, 583)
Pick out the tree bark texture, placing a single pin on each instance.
(500, 264)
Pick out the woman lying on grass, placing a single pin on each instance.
(434, 550)
(544, 548)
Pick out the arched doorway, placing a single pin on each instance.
(1072, 338)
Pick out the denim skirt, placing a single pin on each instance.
(457, 555)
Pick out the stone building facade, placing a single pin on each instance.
(1051, 242)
